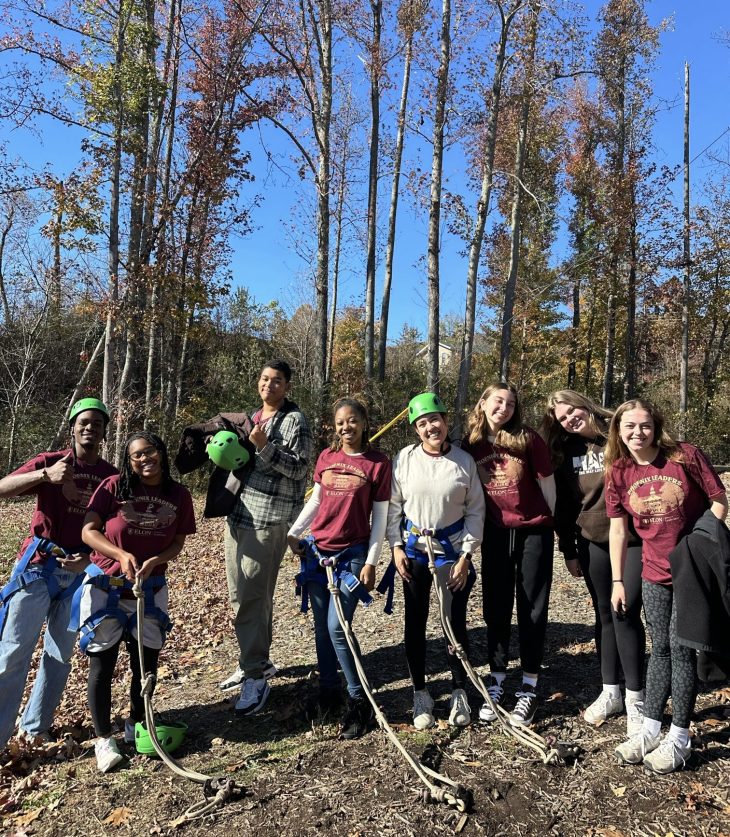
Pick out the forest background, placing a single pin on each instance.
(484, 177)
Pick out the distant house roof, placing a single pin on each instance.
(443, 347)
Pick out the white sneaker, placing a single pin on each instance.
(603, 707)
(235, 680)
(254, 694)
(460, 711)
(107, 754)
(637, 747)
(496, 692)
(669, 756)
(634, 717)
(423, 710)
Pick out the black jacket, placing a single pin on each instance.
(700, 566)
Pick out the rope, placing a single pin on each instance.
(523, 734)
(454, 794)
(217, 791)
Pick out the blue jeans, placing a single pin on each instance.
(329, 638)
(28, 609)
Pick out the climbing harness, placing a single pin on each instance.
(524, 735)
(114, 585)
(311, 571)
(24, 574)
(217, 790)
(438, 788)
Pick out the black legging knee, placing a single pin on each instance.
(101, 674)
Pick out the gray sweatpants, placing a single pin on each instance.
(253, 558)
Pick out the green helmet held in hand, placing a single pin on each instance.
(88, 404)
(421, 405)
(226, 451)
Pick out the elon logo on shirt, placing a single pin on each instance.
(154, 515)
(500, 473)
(655, 497)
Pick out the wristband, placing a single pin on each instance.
(617, 581)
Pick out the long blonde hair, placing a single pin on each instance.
(617, 452)
(511, 435)
(553, 432)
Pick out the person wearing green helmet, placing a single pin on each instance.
(435, 487)
(49, 567)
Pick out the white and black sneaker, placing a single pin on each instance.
(235, 680)
(496, 693)
(254, 694)
(525, 708)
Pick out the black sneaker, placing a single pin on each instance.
(525, 708)
(358, 719)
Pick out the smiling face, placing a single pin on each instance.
(637, 433)
(573, 419)
(273, 387)
(88, 429)
(498, 407)
(146, 461)
(349, 426)
(432, 430)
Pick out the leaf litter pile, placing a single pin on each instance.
(301, 779)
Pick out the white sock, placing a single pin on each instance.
(634, 697)
(651, 727)
(611, 690)
(530, 681)
(679, 734)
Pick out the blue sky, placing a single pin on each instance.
(267, 261)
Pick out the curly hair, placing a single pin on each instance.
(512, 435)
(362, 412)
(553, 432)
(128, 480)
(616, 451)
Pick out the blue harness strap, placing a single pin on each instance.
(387, 582)
(113, 585)
(24, 573)
(442, 536)
(311, 571)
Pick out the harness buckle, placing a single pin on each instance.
(114, 581)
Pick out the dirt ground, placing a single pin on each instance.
(300, 779)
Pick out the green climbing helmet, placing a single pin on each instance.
(421, 405)
(170, 736)
(88, 404)
(226, 451)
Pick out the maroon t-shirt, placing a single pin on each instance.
(665, 499)
(514, 498)
(144, 525)
(60, 509)
(349, 485)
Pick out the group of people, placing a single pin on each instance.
(620, 493)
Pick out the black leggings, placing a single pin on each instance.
(521, 560)
(101, 672)
(417, 596)
(671, 665)
(621, 642)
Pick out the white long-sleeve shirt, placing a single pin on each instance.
(433, 492)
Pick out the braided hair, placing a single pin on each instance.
(128, 480)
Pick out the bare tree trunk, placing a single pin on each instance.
(393, 211)
(78, 389)
(3, 242)
(54, 292)
(686, 289)
(339, 212)
(630, 376)
(375, 69)
(608, 363)
(590, 331)
(475, 245)
(516, 220)
(434, 215)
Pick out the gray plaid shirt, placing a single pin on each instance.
(274, 490)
